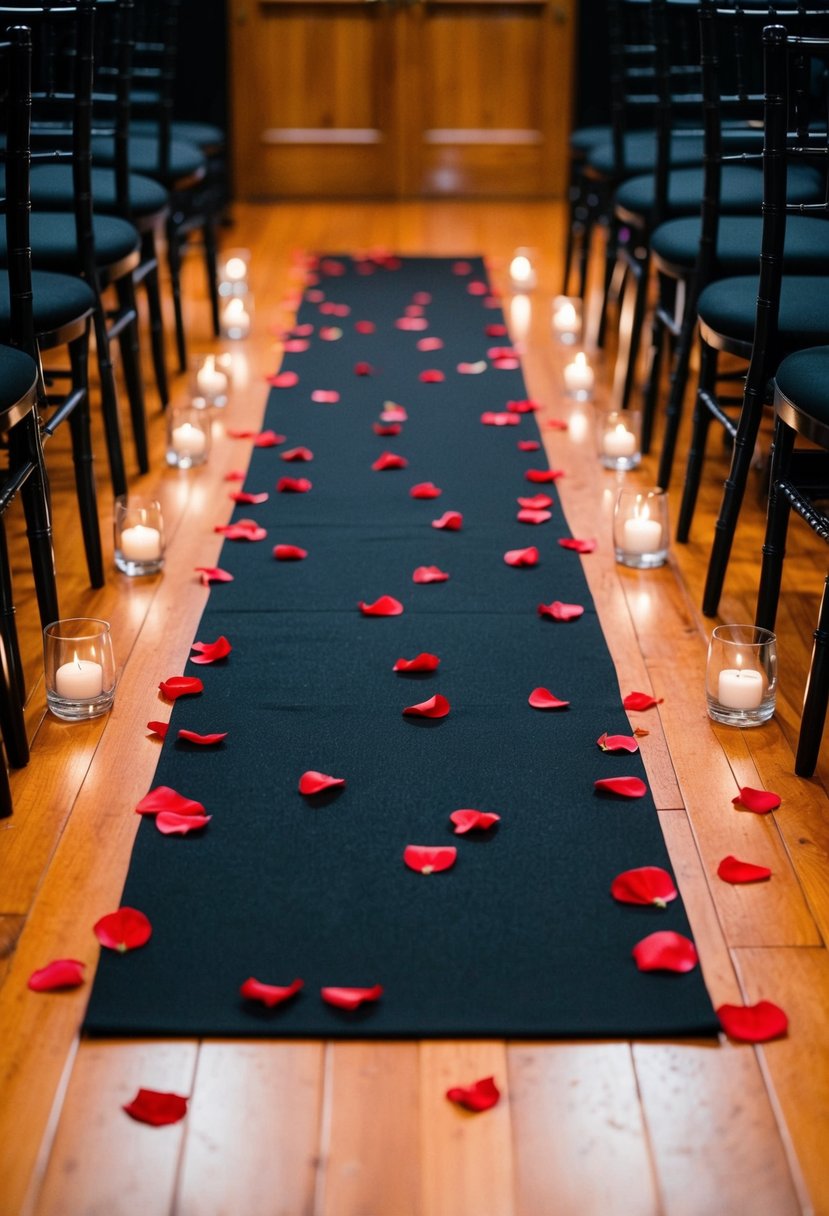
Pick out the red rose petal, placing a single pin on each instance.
(412, 324)
(171, 824)
(313, 782)
(557, 424)
(387, 428)
(211, 652)
(180, 686)
(528, 516)
(386, 605)
(332, 267)
(477, 288)
(295, 346)
(522, 557)
(753, 1023)
(293, 485)
(283, 380)
(641, 700)
(495, 330)
(235, 432)
(506, 364)
(626, 787)
(425, 489)
(235, 475)
(243, 529)
(269, 994)
(527, 406)
(501, 352)
(213, 574)
(414, 310)
(557, 611)
(480, 1096)
(421, 662)
(577, 545)
(732, 870)
(389, 460)
(297, 454)
(542, 476)
(268, 439)
(528, 445)
(759, 801)
(427, 344)
(303, 331)
(164, 798)
(159, 728)
(494, 418)
(289, 553)
(617, 743)
(429, 574)
(422, 297)
(122, 930)
(364, 327)
(324, 396)
(461, 267)
(468, 820)
(436, 707)
(542, 698)
(392, 412)
(450, 521)
(192, 736)
(314, 297)
(431, 375)
(157, 1109)
(61, 973)
(429, 859)
(665, 951)
(363, 369)
(351, 998)
(330, 333)
(645, 885)
(472, 369)
(537, 502)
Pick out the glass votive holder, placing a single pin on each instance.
(235, 317)
(522, 272)
(79, 667)
(567, 313)
(579, 378)
(618, 439)
(232, 272)
(188, 436)
(741, 676)
(640, 528)
(139, 535)
(208, 380)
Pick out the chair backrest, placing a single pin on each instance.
(16, 49)
(155, 50)
(633, 90)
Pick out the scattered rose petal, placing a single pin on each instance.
(330, 309)
(477, 288)
(641, 700)
(461, 268)
(480, 1096)
(389, 460)
(303, 331)
(429, 574)
(732, 870)
(314, 297)
(386, 605)
(213, 574)
(235, 432)
(351, 998)
(332, 267)
(392, 412)
(506, 364)
(293, 485)
(289, 553)
(283, 380)
(528, 445)
(414, 310)
(211, 652)
(180, 686)
(235, 475)
(421, 662)
(625, 787)
(542, 476)
(617, 743)
(450, 521)
(640, 732)
(753, 1023)
(536, 502)
(469, 820)
(527, 406)
(436, 707)
(243, 529)
(169, 823)
(295, 346)
(363, 369)
(556, 424)
(501, 352)
(495, 330)
(665, 951)
(426, 344)
(522, 557)
(759, 801)
(386, 428)
(472, 369)
(364, 327)
(494, 418)
(425, 489)
(269, 994)
(431, 375)
(542, 698)
(159, 728)
(577, 545)
(61, 973)
(557, 611)
(192, 736)
(412, 323)
(313, 782)
(422, 298)
(528, 516)
(244, 496)
(268, 439)
(429, 859)
(330, 333)
(325, 396)
(645, 885)
(165, 798)
(296, 454)
(157, 1109)
(125, 929)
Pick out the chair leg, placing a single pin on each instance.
(84, 472)
(149, 256)
(131, 362)
(777, 523)
(676, 394)
(174, 262)
(653, 375)
(699, 435)
(631, 322)
(12, 684)
(37, 509)
(109, 403)
(613, 278)
(212, 268)
(817, 694)
(6, 806)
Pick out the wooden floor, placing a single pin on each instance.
(363, 1129)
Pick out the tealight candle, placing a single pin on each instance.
(522, 274)
(189, 440)
(579, 376)
(79, 668)
(236, 269)
(566, 319)
(640, 528)
(211, 382)
(141, 543)
(235, 318)
(740, 688)
(741, 675)
(642, 534)
(618, 442)
(79, 679)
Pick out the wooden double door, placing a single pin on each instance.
(370, 98)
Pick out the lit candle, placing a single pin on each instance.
(740, 688)
(236, 318)
(79, 679)
(579, 375)
(566, 320)
(209, 380)
(521, 273)
(236, 269)
(618, 442)
(642, 534)
(141, 543)
(189, 440)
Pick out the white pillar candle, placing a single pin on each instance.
(235, 318)
(618, 441)
(188, 440)
(79, 679)
(642, 535)
(740, 688)
(579, 375)
(565, 318)
(141, 543)
(209, 380)
(521, 273)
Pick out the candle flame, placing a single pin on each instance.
(581, 361)
(76, 660)
(235, 269)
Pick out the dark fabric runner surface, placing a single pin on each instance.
(521, 937)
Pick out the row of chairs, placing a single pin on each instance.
(723, 200)
(94, 174)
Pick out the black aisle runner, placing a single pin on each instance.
(521, 937)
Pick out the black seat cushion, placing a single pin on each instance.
(686, 150)
(803, 379)
(54, 245)
(186, 159)
(741, 191)
(203, 134)
(58, 300)
(18, 376)
(728, 307)
(52, 190)
(584, 138)
(676, 243)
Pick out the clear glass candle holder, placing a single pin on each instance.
(139, 535)
(566, 319)
(522, 272)
(80, 668)
(619, 439)
(579, 378)
(741, 676)
(208, 380)
(188, 436)
(640, 528)
(232, 272)
(236, 316)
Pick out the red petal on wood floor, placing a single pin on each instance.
(421, 662)
(641, 700)
(159, 728)
(759, 801)
(436, 707)
(180, 686)
(211, 652)
(213, 574)
(542, 698)
(617, 743)
(556, 424)
(557, 611)
(61, 973)
(450, 521)
(625, 787)
(468, 820)
(289, 553)
(665, 951)
(753, 1023)
(522, 557)
(480, 1096)
(157, 1109)
(577, 545)
(122, 930)
(429, 859)
(269, 994)
(235, 475)
(732, 870)
(645, 885)
(386, 605)
(429, 574)
(165, 798)
(351, 998)
(313, 782)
